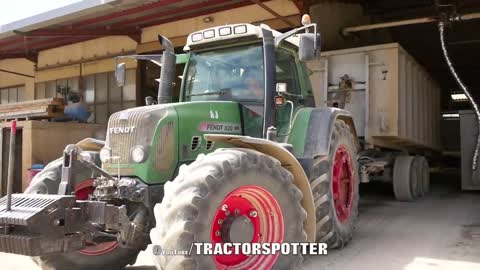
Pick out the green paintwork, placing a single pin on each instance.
(222, 117)
(189, 119)
(146, 170)
(202, 117)
(299, 130)
(182, 58)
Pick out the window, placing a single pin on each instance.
(286, 71)
(49, 89)
(100, 92)
(104, 97)
(12, 94)
(234, 73)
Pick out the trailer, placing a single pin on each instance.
(395, 105)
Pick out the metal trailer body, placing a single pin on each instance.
(394, 102)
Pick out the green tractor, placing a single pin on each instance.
(245, 156)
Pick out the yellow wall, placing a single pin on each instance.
(96, 56)
(87, 68)
(247, 14)
(19, 65)
(87, 50)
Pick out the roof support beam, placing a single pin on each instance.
(80, 32)
(32, 56)
(273, 12)
(16, 73)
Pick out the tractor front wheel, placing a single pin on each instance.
(229, 196)
(95, 256)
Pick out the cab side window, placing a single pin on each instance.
(286, 70)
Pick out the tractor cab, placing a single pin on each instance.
(261, 69)
(238, 63)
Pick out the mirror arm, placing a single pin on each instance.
(282, 37)
(154, 58)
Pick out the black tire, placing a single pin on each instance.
(187, 211)
(115, 259)
(404, 178)
(47, 182)
(425, 171)
(330, 229)
(419, 167)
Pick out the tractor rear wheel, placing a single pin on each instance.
(95, 256)
(334, 181)
(230, 195)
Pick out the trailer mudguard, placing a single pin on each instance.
(288, 161)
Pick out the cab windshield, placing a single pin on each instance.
(234, 73)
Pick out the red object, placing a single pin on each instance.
(261, 208)
(14, 127)
(32, 173)
(343, 183)
(82, 190)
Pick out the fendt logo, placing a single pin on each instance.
(121, 130)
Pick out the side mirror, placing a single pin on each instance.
(309, 46)
(149, 100)
(120, 74)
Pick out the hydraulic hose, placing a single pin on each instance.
(441, 28)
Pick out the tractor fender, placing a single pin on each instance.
(319, 131)
(288, 161)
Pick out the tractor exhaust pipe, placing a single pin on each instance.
(167, 73)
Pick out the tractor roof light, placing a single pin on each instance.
(225, 31)
(197, 37)
(209, 34)
(240, 29)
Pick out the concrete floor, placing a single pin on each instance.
(439, 232)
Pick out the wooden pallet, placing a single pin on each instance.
(35, 109)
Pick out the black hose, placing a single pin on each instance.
(441, 28)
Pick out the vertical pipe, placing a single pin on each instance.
(270, 80)
(167, 72)
(11, 163)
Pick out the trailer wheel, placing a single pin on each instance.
(423, 174)
(426, 176)
(405, 178)
(417, 169)
(334, 181)
(95, 256)
(230, 195)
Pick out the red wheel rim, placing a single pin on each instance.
(258, 206)
(82, 190)
(343, 183)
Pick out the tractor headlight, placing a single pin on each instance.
(105, 154)
(138, 154)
